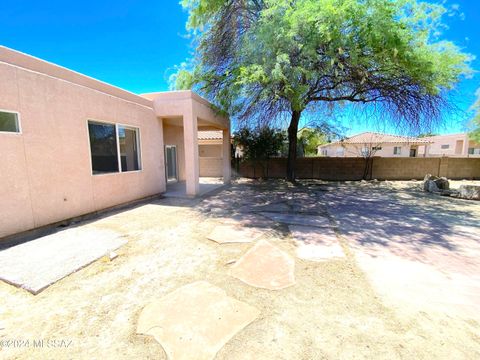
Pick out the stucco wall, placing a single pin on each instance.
(46, 170)
(350, 150)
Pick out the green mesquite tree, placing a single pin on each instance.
(475, 133)
(261, 59)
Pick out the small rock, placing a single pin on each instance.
(470, 192)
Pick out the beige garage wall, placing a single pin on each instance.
(214, 151)
(211, 166)
(46, 173)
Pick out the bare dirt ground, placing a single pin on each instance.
(394, 295)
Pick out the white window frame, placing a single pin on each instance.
(395, 150)
(19, 123)
(119, 160)
(445, 146)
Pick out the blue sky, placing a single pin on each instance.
(136, 44)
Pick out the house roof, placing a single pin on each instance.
(210, 135)
(379, 138)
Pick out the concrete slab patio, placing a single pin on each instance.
(37, 264)
(178, 189)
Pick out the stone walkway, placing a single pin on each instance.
(184, 328)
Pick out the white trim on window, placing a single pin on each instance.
(19, 122)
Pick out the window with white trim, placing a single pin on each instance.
(9, 121)
(445, 146)
(397, 150)
(113, 148)
(473, 151)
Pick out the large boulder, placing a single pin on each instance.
(433, 183)
(470, 192)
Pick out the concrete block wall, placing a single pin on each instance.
(343, 169)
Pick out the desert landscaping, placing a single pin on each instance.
(370, 270)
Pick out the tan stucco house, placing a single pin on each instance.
(458, 145)
(376, 144)
(72, 145)
(383, 145)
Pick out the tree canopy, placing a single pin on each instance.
(310, 139)
(475, 133)
(260, 59)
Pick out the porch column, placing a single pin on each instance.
(190, 138)
(227, 164)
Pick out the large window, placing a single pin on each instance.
(397, 150)
(9, 122)
(113, 148)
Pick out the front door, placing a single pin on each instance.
(171, 162)
(413, 152)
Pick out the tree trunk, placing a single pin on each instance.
(292, 145)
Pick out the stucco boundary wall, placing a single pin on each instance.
(343, 169)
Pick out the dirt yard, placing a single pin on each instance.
(408, 287)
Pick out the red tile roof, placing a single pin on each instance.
(379, 138)
(210, 135)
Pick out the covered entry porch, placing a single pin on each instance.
(178, 189)
(183, 114)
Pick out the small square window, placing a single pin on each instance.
(9, 122)
(397, 150)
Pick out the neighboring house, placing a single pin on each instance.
(210, 149)
(210, 144)
(453, 145)
(369, 144)
(72, 145)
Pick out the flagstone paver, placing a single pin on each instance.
(195, 321)
(295, 219)
(316, 244)
(223, 234)
(265, 266)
